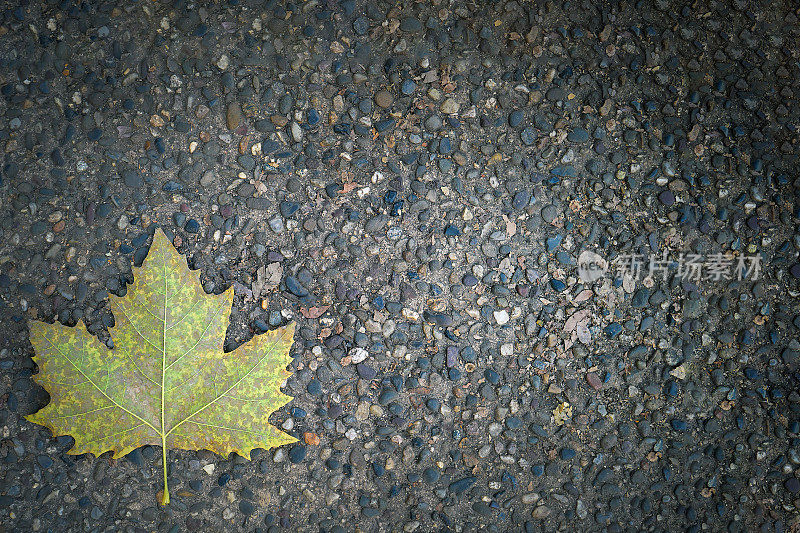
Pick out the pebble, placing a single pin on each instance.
(408, 87)
(461, 485)
(501, 317)
(667, 198)
(233, 116)
(296, 131)
(410, 24)
(417, 189)
(384, 99)
(594, 381)
(549, 213)
(297, 454)
(295, 287)
(450, 106)
(578, 135)
(515, 118)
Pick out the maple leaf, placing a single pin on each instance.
(167, 381)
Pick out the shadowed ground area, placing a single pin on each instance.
(542, 257)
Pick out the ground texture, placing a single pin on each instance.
(413, 185)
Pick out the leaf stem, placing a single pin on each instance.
(165, 499)
(163, 380)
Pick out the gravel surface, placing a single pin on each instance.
(415, 185)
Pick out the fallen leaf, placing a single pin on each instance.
(267, 278)
(575, 319)
(584, 295)
(314, 312)
(430, 76)
(167, 381)
(511, 227)
(349, 186)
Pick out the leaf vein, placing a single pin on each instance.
(187, 380)
(202, 335)
(258, 363)
(148, 341)
(148, 378)
(145, 307)
(169, 298)
(244, 399)
(187, 313)
(102, 391)
(65, 384)
(84, 413)
(104, 437)
(243, 430)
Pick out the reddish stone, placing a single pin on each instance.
(593, 380)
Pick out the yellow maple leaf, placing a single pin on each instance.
(167, 381)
